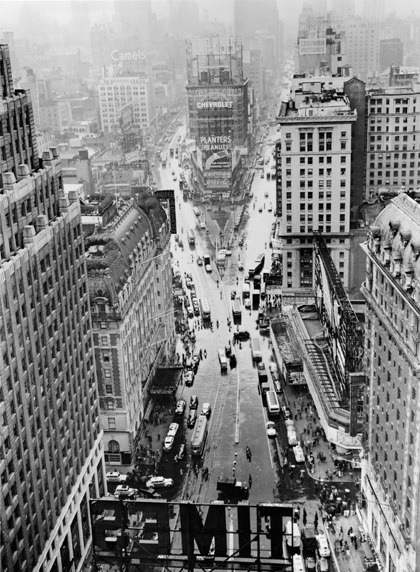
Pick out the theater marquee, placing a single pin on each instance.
(189, 535)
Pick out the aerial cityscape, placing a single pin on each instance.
(209, 285)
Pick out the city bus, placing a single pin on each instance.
(198, 439)
(236, 308)
(272, 403)
(256, 349)
(223, 360)
(205, 309)
(191, 236)
(259, 263)
(245, 290)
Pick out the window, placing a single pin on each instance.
(112, 426)
(113, 446)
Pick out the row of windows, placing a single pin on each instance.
(321, 228)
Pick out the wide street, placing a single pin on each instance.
(238, 416)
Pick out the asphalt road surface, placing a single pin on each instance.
(238, 418)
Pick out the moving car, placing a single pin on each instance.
(200, 261)
(208, 268)
(193, 402)
(271, 429)
(189, 378)
(266, 194)
(242, 335)
(125, 491)
(206, 410)
(270, 208)
(159, 483)
(240, 266)
(247, 303)
(190, 312)
(202, 224)
(232, 488)
(192, 418)
(180, 407)
(116, 477)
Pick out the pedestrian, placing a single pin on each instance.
(158, 436)
(316, 522)
(304, 517)
(355, 543)
(250, 480)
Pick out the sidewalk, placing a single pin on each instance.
(352, 560)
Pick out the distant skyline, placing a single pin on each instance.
(220, 10)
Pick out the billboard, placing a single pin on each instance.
(357, 399)
(312, 46)
(169, 196)
(188, 535)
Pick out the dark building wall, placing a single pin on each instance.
(391, 53)
(355, 90)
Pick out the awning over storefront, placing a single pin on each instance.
(166, 380)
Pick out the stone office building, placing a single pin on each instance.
(130, 286)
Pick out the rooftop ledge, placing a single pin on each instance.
(332, 117)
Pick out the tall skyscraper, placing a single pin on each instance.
(217, 95)
(390, 486)
(315, 177)
(50, 439)
(362, 46)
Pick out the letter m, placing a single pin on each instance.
(193, 529)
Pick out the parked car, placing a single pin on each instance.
(190, 311)
(193, 402)
(168, 443)
(277, 386)
(159, 483)
(271, 429)
(173, 429)
(125, 491)
(292, 437)
(192, 418)
(323, 547)
(180, 407)
(286, 412)
(233, 295)
(189, 378)
(181, 451)
(116, 477)
(299, 455)
(206, 410)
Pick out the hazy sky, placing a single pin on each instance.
(215, 9)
